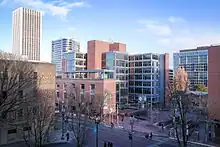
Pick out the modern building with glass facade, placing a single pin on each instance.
(144, 77)
(148, 78)
(118, 61)
(66, 56)
(74, 61)
(195, 62)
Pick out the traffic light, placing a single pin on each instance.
(130, 136)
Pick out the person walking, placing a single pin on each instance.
(67, 136)
(151, 135)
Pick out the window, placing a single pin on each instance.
(65, 95)
(58, 94)
(27, 128)
(146, 56)
(82, 86)
(73, 85)
(20, 93)
(58, 85)
(21, 76)
(20, 113)
(12, 131)
(35, 75)
(4, 94)
(155, 57)
(5, 75)
(92, 87)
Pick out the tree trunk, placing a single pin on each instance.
(177, 136)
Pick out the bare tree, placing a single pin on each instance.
(79, 108)
(39, 118)
(17, 81)
(181, 104)
(83, 112)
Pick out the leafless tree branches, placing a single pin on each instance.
(84, 109)
(180, 104)
(39, 117)
(17, 82)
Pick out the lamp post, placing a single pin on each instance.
(62, 137)
(97, 121)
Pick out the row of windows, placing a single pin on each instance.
(140, 90)
(143, 77)
(144, 57)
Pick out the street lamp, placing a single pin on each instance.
(97, 121)
(62, 137)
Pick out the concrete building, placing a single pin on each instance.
(118, 61)
(88, 87)
(195, 62)
(214, 82)
(27, 33)
(113, 56)
(213, 88)
(66, 56)
(46, 81)
(96, 49)
(148, 76)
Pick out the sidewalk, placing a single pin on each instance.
(144, 127)
(55, 137)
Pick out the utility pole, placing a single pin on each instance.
(62, 137)
(117, 114)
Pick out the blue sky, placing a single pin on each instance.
(144, 25)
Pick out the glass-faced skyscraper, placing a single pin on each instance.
(118, 61)
(66, 56)
(26, 33)
(195, 62)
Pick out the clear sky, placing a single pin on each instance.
(144, 25)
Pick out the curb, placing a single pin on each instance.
(196, 143)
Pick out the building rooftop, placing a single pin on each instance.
(93, 71)
(36, 61)
(200, 48)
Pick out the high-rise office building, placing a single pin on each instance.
(148, 77)
(66, 56)
(195, 62)
(27, 32)
(144, 76)
(118, 61)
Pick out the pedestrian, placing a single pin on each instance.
(146, 136)
(151, 135)
(105, 144)
(112, 125)
(67, 136)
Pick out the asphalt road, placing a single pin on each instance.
(119, 137)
